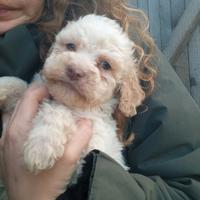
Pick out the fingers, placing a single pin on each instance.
(26, 109)
(31, 100)
(79, 141)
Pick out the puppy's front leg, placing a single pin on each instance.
(52, 128)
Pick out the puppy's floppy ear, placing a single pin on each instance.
(131, 94)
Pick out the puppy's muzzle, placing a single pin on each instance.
(74, 74)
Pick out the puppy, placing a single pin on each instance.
(90, 72)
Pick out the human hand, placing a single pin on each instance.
(48, 184)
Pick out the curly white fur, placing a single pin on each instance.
(85, 73)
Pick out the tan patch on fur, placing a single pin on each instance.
(131, 95)
(115, 67)
(121, 121)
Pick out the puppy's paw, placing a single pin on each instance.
(2, 98)
(40, 155)
(11, 89)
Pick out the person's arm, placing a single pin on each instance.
(110, 181)
(48, 184)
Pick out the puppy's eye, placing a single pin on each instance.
(71, 46)
(105, 65)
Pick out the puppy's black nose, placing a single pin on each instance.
(74, 74)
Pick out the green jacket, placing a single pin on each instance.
(164, 159)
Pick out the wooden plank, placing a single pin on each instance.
(194, 59)
(143, 4)
(186, 56)
(181, 64)
(165, 22)
(183, 30)
(181, 67)
(154, 17)
(177, 9)
(187, 2)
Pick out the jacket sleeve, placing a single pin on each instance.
(19, 52)
(164, 159)
(3, 195)
(110, 181)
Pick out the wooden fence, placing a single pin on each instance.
(175, 26)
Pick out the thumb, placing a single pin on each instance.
(80, 139)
